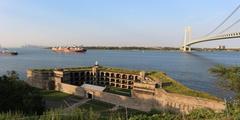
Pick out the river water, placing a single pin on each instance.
(191, 69)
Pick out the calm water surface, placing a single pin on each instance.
(189, 69)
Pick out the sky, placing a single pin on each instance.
(112, 22)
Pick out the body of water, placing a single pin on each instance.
(191, 69)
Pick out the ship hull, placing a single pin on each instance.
(8, 53)
(69, 50)
(76, 51)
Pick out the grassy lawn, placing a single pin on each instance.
(54, 95)
(119, 70)
(108, 69)
(119, 91)
(177, 87)
(103, 109)
(119, 114)
(97, 106)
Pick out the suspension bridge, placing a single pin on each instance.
(188, 41)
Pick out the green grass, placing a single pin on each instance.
(97, 106)
(130, 111)
(54, 95)
(101, 68)
(119, 91)
(103, 109)
(77, 68)
(119, 70)
(120, 113)
(178, 88)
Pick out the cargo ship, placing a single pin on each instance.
(8, 52)
(76, 49)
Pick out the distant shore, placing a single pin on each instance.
(153, 48)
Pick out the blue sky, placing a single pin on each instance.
(111, 22)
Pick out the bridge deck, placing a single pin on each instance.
(213, 38)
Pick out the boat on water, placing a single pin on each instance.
(76, 49)
(7, 52)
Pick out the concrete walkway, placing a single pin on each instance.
(80, 102)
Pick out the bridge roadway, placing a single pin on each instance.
(211, 38)
(215, 37)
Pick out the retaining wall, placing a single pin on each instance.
(146, 102)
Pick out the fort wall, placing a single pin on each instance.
(187, 103)
(70, 89)
(145, 95)
(145, 102)
(39, 79)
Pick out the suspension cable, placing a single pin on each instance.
(225, 20)
(236, 22)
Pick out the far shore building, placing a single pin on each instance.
(129, 88)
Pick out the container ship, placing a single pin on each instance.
(69, 49)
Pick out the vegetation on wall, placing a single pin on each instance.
(176, 87)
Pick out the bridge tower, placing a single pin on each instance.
(187, 38)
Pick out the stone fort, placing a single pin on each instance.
(127, 88)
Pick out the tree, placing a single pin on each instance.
(229, 76)
(16, 95)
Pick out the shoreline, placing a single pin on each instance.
(155, 48)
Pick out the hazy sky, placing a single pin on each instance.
(112, 22)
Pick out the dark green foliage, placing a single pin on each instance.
(233, 113)
(229, 76)
(202, 114)
(58, 114)
(16, 95)
(233, 109)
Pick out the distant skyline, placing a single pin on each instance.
(112, 22)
